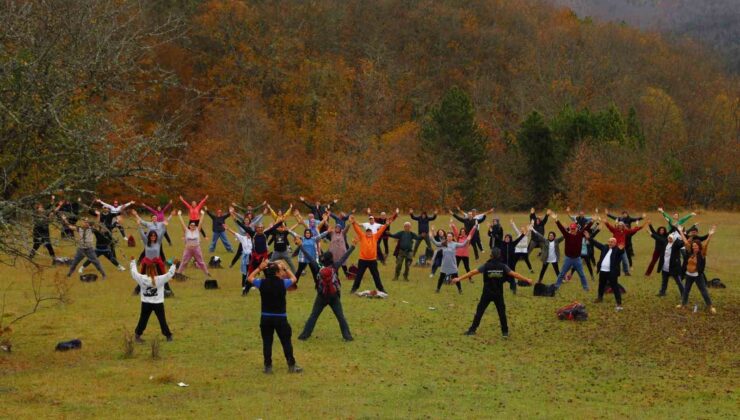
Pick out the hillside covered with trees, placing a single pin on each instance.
(407, 103)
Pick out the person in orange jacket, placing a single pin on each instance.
(369, 252)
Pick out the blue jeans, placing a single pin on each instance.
(224, 239)
(625, 263)
(567, 265)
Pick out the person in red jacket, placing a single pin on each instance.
(621, 233)
(194, 211)
(573, 241)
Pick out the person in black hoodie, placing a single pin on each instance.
(495, 234)
(423, 229)
(495, 273)
(273, 289)
(658, 250)
(41, 218)
(508, 256)
(608, 268)
(670, 260)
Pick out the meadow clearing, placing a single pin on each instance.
(407, 361)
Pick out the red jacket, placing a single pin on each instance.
(621, 235)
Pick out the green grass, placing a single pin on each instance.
(406, 361)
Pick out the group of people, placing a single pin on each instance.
(323, 249)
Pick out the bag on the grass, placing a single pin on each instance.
(131, 241)
(541, 289)
(328, 282)
(214, 262)
(87, 278)
(422, 260)
(715, 283)
(621, 289)
(352, 272)
(576, 311)
(210, 284)
(69, 345)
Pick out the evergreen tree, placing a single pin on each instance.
(536, 143)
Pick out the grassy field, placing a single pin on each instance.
(407, 360)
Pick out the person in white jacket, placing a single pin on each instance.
(521, 251)
(152, 296)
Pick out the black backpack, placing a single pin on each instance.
(210, 284)
(87, 278)
(214, 262)
(69, 345)
(716, 283)
(541, 289)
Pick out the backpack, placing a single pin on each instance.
(69, 345)
(131, 241)
(87, 278)
(214, 262)
(328, 284)
(716, 283)
(576, 311)
(352, 272)
(210, 284)
(541, 289)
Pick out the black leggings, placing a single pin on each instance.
(363, 265)
(238, 254)
(465, 261)
(443, 276)
(269, 325)
(612, 281)
(544, 268)
(302, 266)
(521, 256)
(39, 240)
(146, 311)
(476, 244)
(437, 261)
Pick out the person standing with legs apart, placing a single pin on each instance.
(192, 244)
(608, 268)
(41, 218)
(469, 220)
(448, 270)
(693, 269)
(85, 245)
(573, 241)
(406, 240)
(328, 293)
(670, 260)
(160, 215)
(508, 255)
(103, 246)
(658, 250)
(115, 211)
(195, 213)
(549, 252)
(280, 249)
(627, 220)
(245, 241)
(539, 226)
(368, 253)
(521, 252)
(495, 273)
(423, 229)
(621, 233)
(462, 253)
(152, 297)
(273, 290)
(219, 232)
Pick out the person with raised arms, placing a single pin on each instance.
(195, 213)
(369, 252)
(273, 285)
(115, 211)
(495, 273)
(608, 267)
(152, 288)
(693, 268)
(573, 242)
(449, 246)
(192, 249)
(405, 250)
(423, 228)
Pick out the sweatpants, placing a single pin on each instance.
(88, 253)
(321, 302)
(285, 256)
(403, 257)
(495, 295)
(276, 324)
(146, 311)
(371, 265)
(192, 253)
(104, 252)
(653, 261)
(40, 239)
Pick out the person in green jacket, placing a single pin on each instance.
(674, 221)
(406, 239)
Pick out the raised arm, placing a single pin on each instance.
(182, 222)
(186, 203)
(684, 219)
(516, 229)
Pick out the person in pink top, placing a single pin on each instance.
(194, 211)
(159, 216)
(192, 245)
(462, 253)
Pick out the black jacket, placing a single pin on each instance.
(614, 259)
(674, 266)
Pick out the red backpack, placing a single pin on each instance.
(328, 282)
(131, 241)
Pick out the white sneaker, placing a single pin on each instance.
(619, 309)
(121, 268)
(431, 275)
(81, 270)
